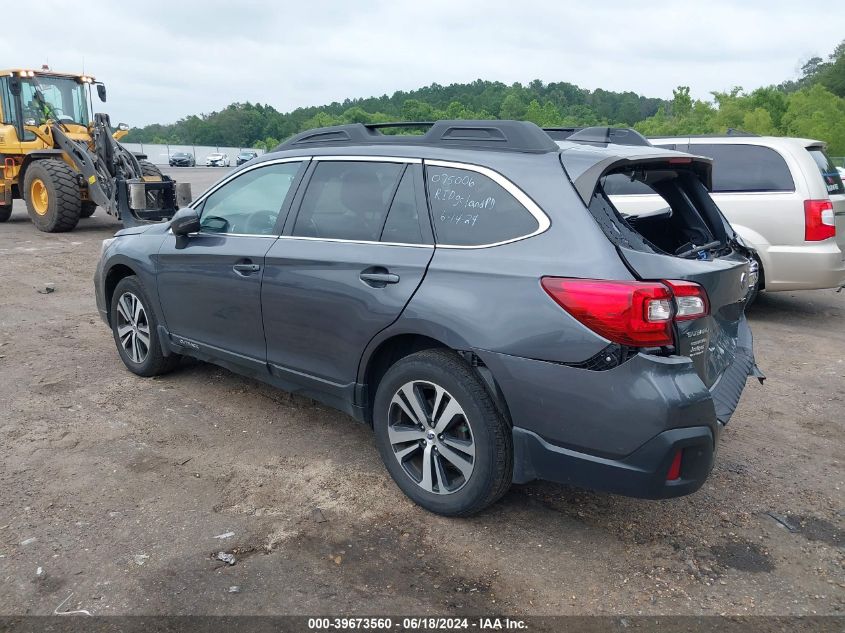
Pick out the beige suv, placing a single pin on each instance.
(783, 196)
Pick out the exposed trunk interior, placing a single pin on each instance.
(685, 224)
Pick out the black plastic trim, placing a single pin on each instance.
(641, 474)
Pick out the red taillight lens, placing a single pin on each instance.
(819, 222)
(690, 300)
(675, 468)
(634, 313)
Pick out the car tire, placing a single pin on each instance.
(457, 460)
(87, 209)
(755, 291)
(5, 212)
(134, 327)
(52, 196)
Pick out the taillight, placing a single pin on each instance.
(819, 222)
(690, 300)
(634, 313)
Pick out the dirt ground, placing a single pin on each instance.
(120, 490)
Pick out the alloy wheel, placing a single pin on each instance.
(431, 437)
(133, 328)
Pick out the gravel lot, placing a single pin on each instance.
(120, 489)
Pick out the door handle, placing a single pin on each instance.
(246, 269)
(378, 277)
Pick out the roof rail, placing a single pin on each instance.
(511, 136)
(598, 135)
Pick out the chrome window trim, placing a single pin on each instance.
(370, 159)
(231, 177)
(345, 241)
(310, 239)
(543, 221)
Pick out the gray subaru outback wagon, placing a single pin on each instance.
(471, 292)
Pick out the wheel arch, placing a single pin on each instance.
(113, 275)
(32, 157)
(389, 349)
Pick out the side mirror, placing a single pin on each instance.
(185, 221)
(101, 92)
(15, 86)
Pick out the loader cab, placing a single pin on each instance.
(30, 98)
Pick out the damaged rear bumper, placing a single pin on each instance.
(619, 430)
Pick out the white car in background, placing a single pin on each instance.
(783, 196)
(217, 159)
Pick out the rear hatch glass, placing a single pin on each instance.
(672, 229)
(835, 190)
(832, 179)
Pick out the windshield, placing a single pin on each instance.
(65, 99)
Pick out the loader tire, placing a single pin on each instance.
(88, 208)
(5, 212)
(148, 169)
(52, 196)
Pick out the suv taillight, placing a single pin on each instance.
(635, 313)
(819, 223)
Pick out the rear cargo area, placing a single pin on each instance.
(679, 234)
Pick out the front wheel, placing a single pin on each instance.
(134, 328)
(5, 212)
(440, 435)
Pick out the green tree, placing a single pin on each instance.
(817, 113)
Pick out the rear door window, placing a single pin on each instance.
(348, 200)
(403, 222)
(471, 209)
(739, 167)
(832, 179)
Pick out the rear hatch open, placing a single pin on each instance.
(683, 237)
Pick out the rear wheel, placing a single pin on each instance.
(87, 209)
(440, 434)
(5, 212)
(52, 196)
(134, 327)
(148, 169)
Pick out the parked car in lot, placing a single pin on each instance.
(182, 159)
(471, 293)
(245, 156)
(782, 195)
(217, 159)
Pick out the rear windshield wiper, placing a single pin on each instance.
(698, 249)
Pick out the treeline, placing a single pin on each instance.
(812, 106)
(257, 125)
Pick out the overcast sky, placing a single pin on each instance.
(164, 60)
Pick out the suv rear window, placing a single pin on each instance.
(470, 209)
(832, 179)
(746, 168)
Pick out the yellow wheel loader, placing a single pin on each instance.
(65, 163)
